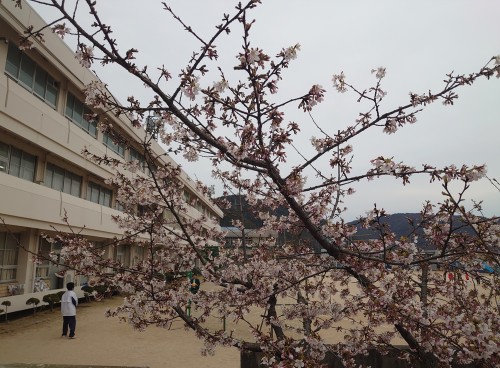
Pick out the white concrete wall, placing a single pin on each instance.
(18, 302)
(32, 205)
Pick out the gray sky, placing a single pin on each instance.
(417, 41)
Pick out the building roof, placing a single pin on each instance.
(236, 232)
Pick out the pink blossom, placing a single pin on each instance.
(96, 94)
(220, 86)
(61, 30)
(168, 220)
(390, 126)
(476, 173)
(290, 53)
(339, 82)
(85, 55)
(191, 88)
(315, 96)
(384, 165)
(252, 56)
(191, 155)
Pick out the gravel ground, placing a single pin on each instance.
(104, 341)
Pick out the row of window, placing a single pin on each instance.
(35, 79)
(16, 162)
(195, 202)
(62, 180)
(80, 114)
(99, 194)
(46, 271)
(118, 148)
(31, 76)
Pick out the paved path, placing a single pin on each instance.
(104, 341)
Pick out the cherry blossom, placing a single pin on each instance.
(85, 55)
(390, 126)
(191, 88)
(380, 72)
(220, 86)
(290, 53)
(339, 82)
(390, 289)
(61, 30)
(315, 96)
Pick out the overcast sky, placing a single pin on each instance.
(417, 41)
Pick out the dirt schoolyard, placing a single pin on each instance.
(109, 342)
(104, 341)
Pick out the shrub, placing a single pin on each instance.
(6, 304)
(34, 302)
(88, 291)
(51, 299)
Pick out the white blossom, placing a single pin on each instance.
(220, 86)
(339, 82)
(191, 154)
(380, 72)
(95, 94)
(390, 126)
(384, 165)
(192, 88)
(476, 173)
(290, 53)
(85, 55)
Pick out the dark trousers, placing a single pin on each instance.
(69, 321)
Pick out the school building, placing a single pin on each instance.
(43, 174)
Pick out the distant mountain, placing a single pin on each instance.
(399, 223)
(403, 224)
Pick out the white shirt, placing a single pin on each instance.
(67, 306)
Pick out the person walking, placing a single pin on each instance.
(69, 301)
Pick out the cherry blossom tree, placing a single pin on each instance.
(370, 293)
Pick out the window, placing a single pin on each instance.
(46, 271)
(43, 263)
(16, 162)
(4, 157)
(62, 180)
(135, 155)
(98, 194)
(22, 164)
(119, 206)
(115, 147)
(8, 256)
(151, 169)
(141, 210)
(31, 76)
(78, 113)
(137, 255)
(122, 254)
